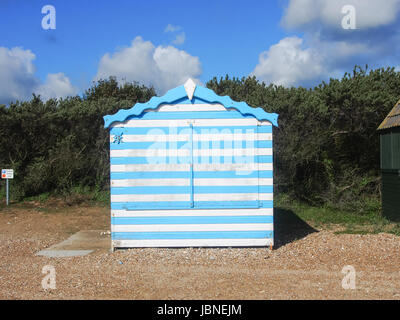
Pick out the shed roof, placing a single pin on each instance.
(190, 90)
(393, 118)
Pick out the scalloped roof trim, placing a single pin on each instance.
(200, 92)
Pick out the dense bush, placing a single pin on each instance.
(57, 146)
(326, 146)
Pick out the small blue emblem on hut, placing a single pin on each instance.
(194, 169)
(118, 138)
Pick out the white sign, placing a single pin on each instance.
(7, 173)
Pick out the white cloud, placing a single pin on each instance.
(17, 74)
(294, 61)
(325, 48)
(287, 63)
(162, 67)
(369, 13)
(18, 80)
(56, 85)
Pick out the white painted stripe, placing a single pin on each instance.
(149, 182)
(233, 182)
(149, 167)
(232, 196)
(190, 107)
(185, 152)
(193, 243)
(149, 197)
(264, 123)
(232, 152)
(192, 227)
(186, 197)
(195, 122)
(193, 212)
(197, 182)
(266, 196)
(196, 137)
(233, 167)
(266, 181)
(198, 167)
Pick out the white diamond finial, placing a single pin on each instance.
(190, 86)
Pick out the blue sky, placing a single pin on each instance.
(162, 43)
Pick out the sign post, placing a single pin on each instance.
(7, 174)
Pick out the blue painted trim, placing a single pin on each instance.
(193, 235)
(191, 220)
(201, 92)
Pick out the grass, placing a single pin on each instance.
(342, 221)
(325, 217)
(49, 203)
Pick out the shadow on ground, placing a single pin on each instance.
(288, 227)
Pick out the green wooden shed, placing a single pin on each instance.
(390, 163)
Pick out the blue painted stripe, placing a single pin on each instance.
(147, 145)
(193, 235)
(191, 220)
(264, 144)
(186, 204)
(150, 205)
(196, 174)
(231, 114)
(197, 130)
(186, 189)
(222, 144)
(187, 160)
(264, 159)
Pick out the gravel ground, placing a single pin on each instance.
(307, 268)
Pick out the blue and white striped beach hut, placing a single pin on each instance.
(189, 169)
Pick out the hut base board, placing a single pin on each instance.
(182, 243)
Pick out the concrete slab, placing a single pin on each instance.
(63, 253)
(79, 244)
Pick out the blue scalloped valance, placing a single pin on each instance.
(200, 92)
